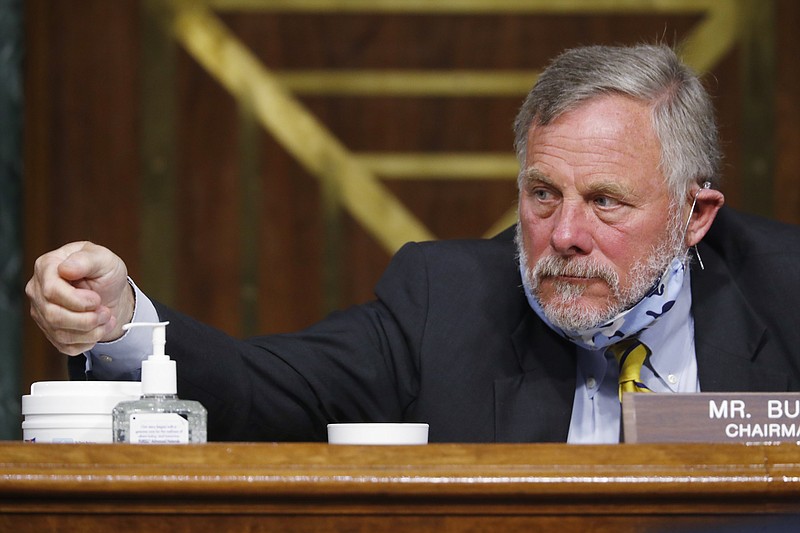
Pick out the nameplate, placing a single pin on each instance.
(755, 418)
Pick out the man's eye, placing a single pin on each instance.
(605, 201)
(541, 194)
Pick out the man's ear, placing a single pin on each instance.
(708, 203)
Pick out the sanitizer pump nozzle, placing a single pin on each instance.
(159, 374)
(159, 416)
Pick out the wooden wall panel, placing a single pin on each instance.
(84, 144)
(208, 253)
(81, 155)
(787, 113)
(723, 84)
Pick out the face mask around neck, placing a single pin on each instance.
(657, 302)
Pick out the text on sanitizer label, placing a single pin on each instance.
(159, 428)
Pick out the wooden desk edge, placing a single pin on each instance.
(526, 471)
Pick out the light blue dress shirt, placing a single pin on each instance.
(672, 367)
(122, 359)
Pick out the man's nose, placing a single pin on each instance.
(571, 230)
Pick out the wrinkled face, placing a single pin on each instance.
(597, 222)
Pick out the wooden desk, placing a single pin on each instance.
(318, 487)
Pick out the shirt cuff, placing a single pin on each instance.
(121, 359)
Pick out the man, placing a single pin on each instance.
(619, 169)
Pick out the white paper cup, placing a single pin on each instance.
(378, 433)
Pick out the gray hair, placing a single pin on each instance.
(683, 115)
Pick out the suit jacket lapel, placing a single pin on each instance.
(729, 334)
(536, 405)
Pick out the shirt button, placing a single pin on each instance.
(672, 378)
(591, 383)
(105, 358)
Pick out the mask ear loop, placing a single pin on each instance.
(706, 186)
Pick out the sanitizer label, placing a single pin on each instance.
(159, 428)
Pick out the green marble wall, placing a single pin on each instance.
(10, 216)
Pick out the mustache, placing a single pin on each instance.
(582, 267)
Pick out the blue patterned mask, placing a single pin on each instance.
(628, 323)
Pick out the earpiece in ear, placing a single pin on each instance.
(706, 186)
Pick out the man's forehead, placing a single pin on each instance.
(602, 114)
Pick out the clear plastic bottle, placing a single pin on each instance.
(159, 416)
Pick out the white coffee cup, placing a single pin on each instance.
(378, 433)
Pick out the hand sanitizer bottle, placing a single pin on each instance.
(159, 417)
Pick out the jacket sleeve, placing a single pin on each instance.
(360, 364)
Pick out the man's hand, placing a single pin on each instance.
(80, 296)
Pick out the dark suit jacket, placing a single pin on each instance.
(450, 340)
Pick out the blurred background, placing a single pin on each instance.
(257, 162)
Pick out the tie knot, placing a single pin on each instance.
(630, 355)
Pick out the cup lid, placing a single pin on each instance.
(378, 433)
(78, 397)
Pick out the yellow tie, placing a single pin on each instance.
(630, 355)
